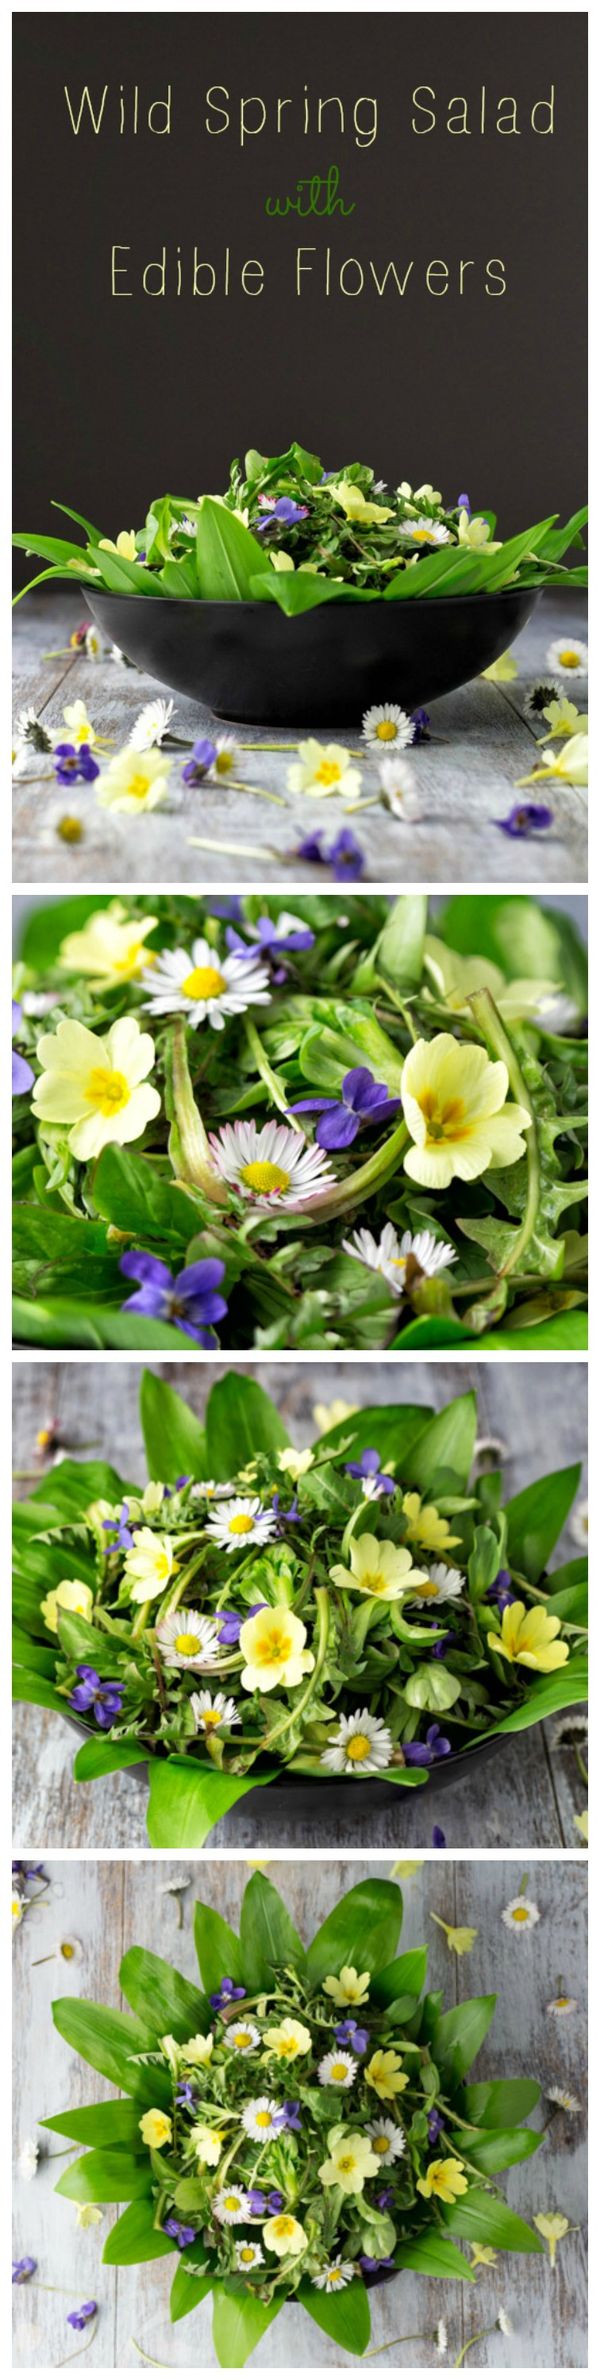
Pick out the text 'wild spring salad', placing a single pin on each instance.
(362, 1609)
(353, 1126)
(290, 533)
(300, 2128)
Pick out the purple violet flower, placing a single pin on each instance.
(183, 2233)
(344, 857)
(363, 1101)
(438, 1650)
(352, 2036)
(266, 2202)
(376, 2264)
(267, 944)
(382, 1483)
(228, 905)
(74, 763)
(283, 512)
(282, 1518)
(186, 1300)
(228, 1990)
(385, 2200)
(435, 2125)
(463, 504)
(422, 726)
(527, 818)
(289, 2119)
(83, 2314)
(203, 755)
(229, 1627)
(501, 1593)
(23, 2267)
(119, 1531)
(435, 1747)
(104, 1699)
(22, 1073)
(438, 1839)
(186, 2096)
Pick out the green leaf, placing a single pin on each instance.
(480, 2216)
(106, 2175)
(228, 557)
(218, 1950)
(163, 1998)
(431, 2253)
(536, 1518)
(29, 1686)
(558, 1692)
(107, 2039)
(186, 1799)
(46, 926)
(241, 1421)
(362, 1931)
(446, 1444)
(173, 1437)
(458, 2036)
(521, 935)
(239, 2322)
(502, 2102)
(100, 2125)
(405, 1974)
(97, 1758)
(267, 1936)
(498, 2149)
(400, 950)
(130, 1193)
(391, 1428)
(346, 2318)
(189, 2288)
(134, 2238)
(123, 578)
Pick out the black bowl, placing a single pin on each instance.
(247, 661)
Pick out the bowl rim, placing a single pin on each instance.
(202, 603)
(294, 1779)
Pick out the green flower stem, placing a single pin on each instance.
(474, 2342)
(291, 1717)
(142, 1622)
(271, 1080)
(494, 1033)
(403, 2341)
(193, 1158)
(266, 796)
(358, 1185)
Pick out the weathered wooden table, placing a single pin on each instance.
(531, 1790)
(483, 741)
(109, 1906)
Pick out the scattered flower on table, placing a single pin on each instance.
(28, 2160)
(189, 1301)
(565, 2100)
(79, 727)
(323, 769)
(581, 1821)
(96, 1084)
(136, 781)
(568, 655)
(443, 1081)
(545, 691)
(270, 1163)
(563, 2005)
(569, 764)
(360, 1746)
(30, 736)
(440, 2337)
(552, 2228)
(344, 857)
(204, 988)
(363, 1102)
(385, 724)
(398, 787)
(202, 761)
(481, 2254)
(151, 726)
(101, 1696)
(74, 764)
(526, 818)
(438, 1839)
(400, 1259)
(503, 671)
(564, 719)
(23, 2268)
(579, 1524)
(531, 1638)
(83, 2314)
(460, 1938)
(86, 2217)
(520, 1915)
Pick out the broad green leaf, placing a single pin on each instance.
(73, 1486)
(228, 557)
(458, 2036)
(134, 2239)
(123, 578)
(497, 2150)
(268, 1937)
(105, 2176)
(391, 1428)
(97, 1758)
(405, 1974)
(239, 2322)
(400, 950)
(173, 1437)
(241, 1421)
(189, 2288)
(536, 1518)
(480, 2216)
(345, 2317)
(100, 2125)
(26, 1655)
(218, 1950)
(45, 927)
(446, 1444)
(362, 1931)
(521, 935)
(186, 1799)
(131, 1194)
(502, 2102)
(161, 1997)
(557, 1692)
(28, 1686)
(107, 2039)
(433, 2254)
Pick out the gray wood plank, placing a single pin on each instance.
(537, 1410)
(482, 742)
(109, 1905)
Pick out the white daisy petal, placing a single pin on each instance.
(270, 1163)
(520, 1915)
(240, 1521)
(360, 1746)
(388, 2139)
(416, 1252)
(387, 728)
(212, 1712)
(186, 1640)
(337, 2068)
(568, 655)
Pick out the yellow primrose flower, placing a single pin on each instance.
(459, 1937)
(456, 1109)
(111, 947)
(149, 1565)
(295, 1464)
(563, 719)
(281, 560)
(528, 1638)
(475, 532)
(71, 1595)
(570, 765)
(552, 2228)
(385, 2073)
(446, 2179)
(156, 2128)
(198, 2051)
(322, 769)
(124, 545)
(87, 2216)
(327, 1417)
(356, 507)
(378, 1568)
(273, 1648)
(350, 2164)
(502, 671)
(581, 1823)
(348, 1989)
(284, 2236)
(288, 2040)
(94, 1083)
(135, 780)
(18, 1907)
(79, 726)
(206, 2143)
(406, 1868)
(425, 1525)
(455, 977)
(482, 2255)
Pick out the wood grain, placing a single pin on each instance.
(483, 741)
(109, 1906)
(536, 1410)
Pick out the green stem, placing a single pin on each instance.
(194, 1161)
(477, 2335)
(403, 2341)
(268, 1077)
(261, 789)
(357, 1185)
(494, 1033)
(291, 1717)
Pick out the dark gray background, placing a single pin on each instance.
(117, 400)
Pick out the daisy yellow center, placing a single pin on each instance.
(427, 1589)
(187, 1644)
(386, 731)
(247, 2255)
(520, 1916)
(204, 983)
(66, 1950)
(241, 1524)
(262, 1175)
(264, 2120)
(232, 2202)
(334, 2273)
(242, 2040)
(561, 2003)
(422, 536)
(339, 2070)
(107, 1090)
(380, 2143)
(328, 772)
(211, 1719)
(444, 1118)
(358, 1746)
(568, 659)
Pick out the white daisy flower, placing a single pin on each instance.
(247, 2254)
(566, 2100)
(231, 2205)
(440, 2337)
(205, 1489)
(213, 1712)
(337, 2068)
(520, 1915)
(386, 724)
(18, 1907)
(333, 2276)
(398, 787)
(240, 1521)
(568, 655)
(440, 1586)
(391, 1256)
(92, 643)
(259, 2119)
(571, 1729)
(545, 691)
(503, 2323)
(28, 2160)
(579, 1525)
(151, 725)
(562, 2005)
(227, 757)
(427, 532)
(270, 1163)
(205, 988)
(242, 2037)
(188, 1641)
(361, 1746)
(387, 2138)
